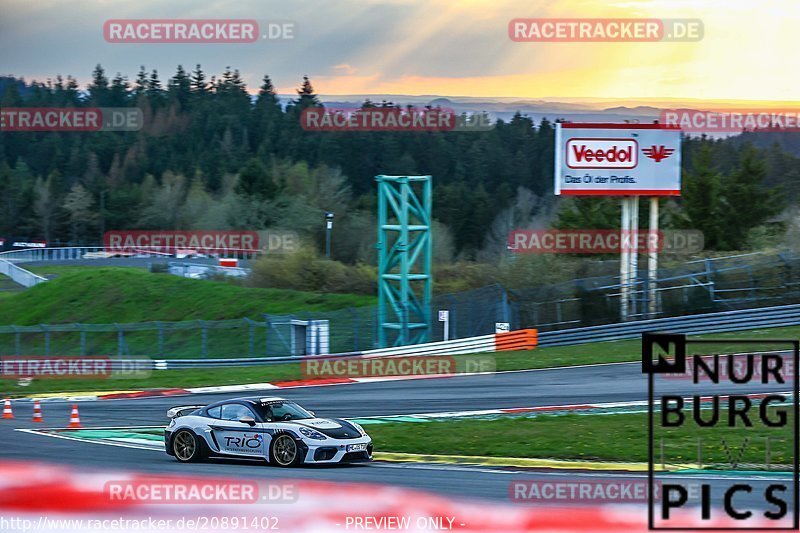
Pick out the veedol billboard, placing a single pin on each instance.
(617, 160)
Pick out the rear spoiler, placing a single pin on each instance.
(182, 410)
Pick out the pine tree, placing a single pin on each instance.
(748, 204)
(254, 180)
(98, 88)
(140, 87)
(199, 85)
(179, 87)
(702, 201)
(120, 91)
(306, 96)
(267, 98)
(154, 89)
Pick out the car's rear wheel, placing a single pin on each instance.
(187, 447)
(284, 451)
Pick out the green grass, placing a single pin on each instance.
(618, 437)
(107, 295)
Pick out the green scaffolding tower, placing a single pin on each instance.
(404, 259)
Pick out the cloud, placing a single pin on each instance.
(345, 68)
(426, 46)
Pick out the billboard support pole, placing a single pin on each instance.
(624, 259)
(652, 258)
(633, 275)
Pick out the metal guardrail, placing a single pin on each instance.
(763, 317)
(787, 315)
(524, 339)
(20, 275)
(72, 253)
(9, 260)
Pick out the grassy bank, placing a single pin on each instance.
(108, 295)
(619, 437)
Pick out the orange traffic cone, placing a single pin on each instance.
(74, 419)
(7, 412)
(37, 412)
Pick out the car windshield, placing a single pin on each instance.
(281, 411)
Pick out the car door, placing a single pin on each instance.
(238, 438)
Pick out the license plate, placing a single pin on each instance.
(356, 447)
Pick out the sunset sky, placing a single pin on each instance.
(429, 47)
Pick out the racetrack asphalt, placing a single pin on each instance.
(563, 386)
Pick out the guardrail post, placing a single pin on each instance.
(267, 325)
(46, 339)
(251, 337)
(453, 317)
(83, 338)
(120, 340)
(204, 337)
(355, 328)
(504, 303)
(708, 263)
(160, 327)
(17, 340)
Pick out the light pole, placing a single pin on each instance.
(328, 228)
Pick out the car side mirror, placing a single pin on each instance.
(249, 420)
(312, 413)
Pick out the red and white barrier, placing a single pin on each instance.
(37, 496)
(521, 339)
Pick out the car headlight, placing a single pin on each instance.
(312, 434)
(360, 429)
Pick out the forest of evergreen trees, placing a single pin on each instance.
(211, 156)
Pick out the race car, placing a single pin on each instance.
(274, 429)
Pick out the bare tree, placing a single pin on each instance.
(528, 211)
(78, 204)
(45, 206)
(163, 207)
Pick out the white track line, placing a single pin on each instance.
(106, 443)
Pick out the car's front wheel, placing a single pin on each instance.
(187, 447)
(284, 451)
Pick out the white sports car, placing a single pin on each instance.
(274, 429)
